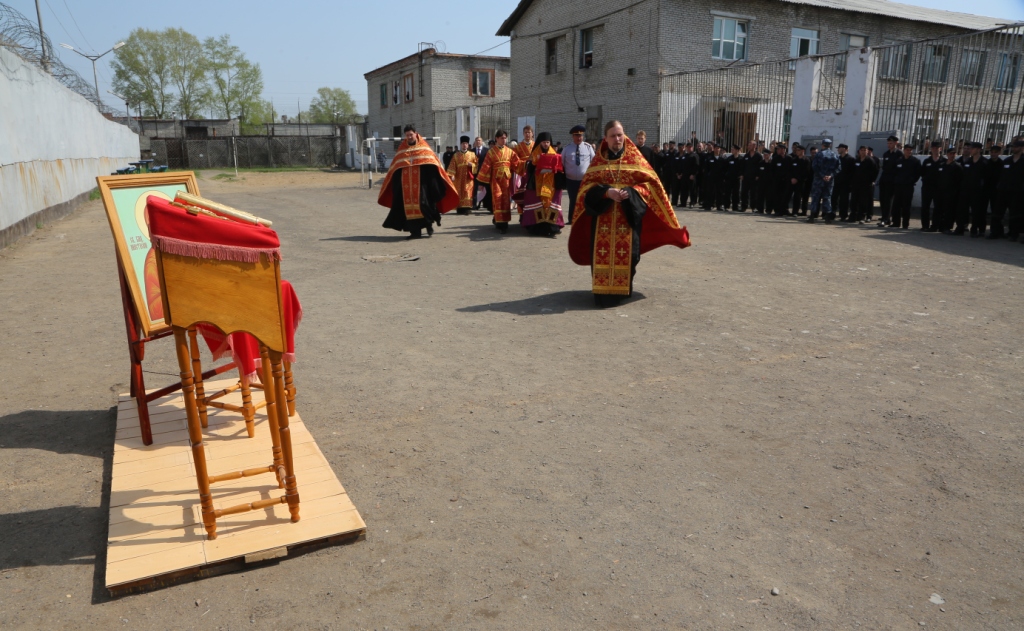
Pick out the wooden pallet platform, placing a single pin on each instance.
(155, 533)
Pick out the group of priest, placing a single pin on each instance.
(618, 205)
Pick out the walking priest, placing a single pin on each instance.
(541, 199)
(621, 212)
(461, 170)
(496, 172)
(417, 189)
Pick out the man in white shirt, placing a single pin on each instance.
(576, 159)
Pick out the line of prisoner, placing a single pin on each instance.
(962, 191)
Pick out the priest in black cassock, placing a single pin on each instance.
(417, 189)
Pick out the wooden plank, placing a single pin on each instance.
(155, 533)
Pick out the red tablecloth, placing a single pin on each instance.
(175, 230)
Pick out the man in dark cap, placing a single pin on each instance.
(950, 174)
(576, 158)
(732, 177)
(447, 157)
(995, 169)
(887, 184)
(752, 163)
(907, 175)
(800, 172)
(1009, 194)
(972, 206)
(862, 187)
(779, 182)
(841, 182)
(930, 188)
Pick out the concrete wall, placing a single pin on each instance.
(53, 144)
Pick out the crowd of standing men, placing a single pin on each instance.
(963, 191)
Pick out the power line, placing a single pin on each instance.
(77, 26)
(66, 32)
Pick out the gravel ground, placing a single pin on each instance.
(830, 412)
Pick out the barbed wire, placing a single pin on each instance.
(19, 35)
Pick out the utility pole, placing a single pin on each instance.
(93, 58)
(45, 60)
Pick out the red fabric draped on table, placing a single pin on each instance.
(177, 231)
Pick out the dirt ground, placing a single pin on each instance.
(830, 411)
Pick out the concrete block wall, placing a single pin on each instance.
(623, 81)
(53, 144)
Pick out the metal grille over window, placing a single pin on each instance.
(587, 48)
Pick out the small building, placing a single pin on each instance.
(416, 89)
(590, 61)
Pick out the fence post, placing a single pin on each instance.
(270, 151)
(309, 144)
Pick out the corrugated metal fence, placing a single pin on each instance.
(252, 151)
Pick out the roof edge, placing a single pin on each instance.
(431, 53)
(510, 23)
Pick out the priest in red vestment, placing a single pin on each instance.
(496, 171)
(621, 212)
(417, 189)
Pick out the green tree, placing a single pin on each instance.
(259, 112)
(142, 72)
(237, 84)
(331, 105)
(189, 70)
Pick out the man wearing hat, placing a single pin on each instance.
(908, 173)
(992, 173)
(800, 173)
(930, 188)
(841, 182)
(887, 183)
(1009, 194)
(825, 165)
(576, 158)
(972, 206)
(862, 186)
(462, 171)
(950, 173)
(541, 196)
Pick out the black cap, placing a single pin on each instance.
(976, 145)
(842, 145)
(937, 143)
(995, 148)
(893, 139)
(463, 139)
(578, 129)
(1017, 143)
(542, 136)
(950, 149)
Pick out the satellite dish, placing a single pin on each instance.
(440, 46)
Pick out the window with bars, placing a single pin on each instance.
(996, 132)
(961, 130)
(551, 59)
(972, 68)
(849, 42)
(924, 130)
(383, 96)
(587, 48)
(895, 63)
(802, 42)
(787, 124)
(935, 68)
(1006, 76)
(481, 83)
(729, 39)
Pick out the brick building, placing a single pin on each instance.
(413, 89)
(589, 61)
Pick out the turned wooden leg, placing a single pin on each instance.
(289, 387)
(291, 489)
(271, 396)
(197, 371)
(248, 411)
(195, 431)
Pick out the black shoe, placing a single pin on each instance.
(415, 235)
(811, 219)
(829, 218)
(959, 232)
(932, 229)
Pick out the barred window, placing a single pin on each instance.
(936, 64)
(895, 63)
(849, 42)
(1006, 77)
(972, 68)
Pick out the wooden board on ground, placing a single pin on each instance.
(155, 533)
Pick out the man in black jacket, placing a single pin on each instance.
(710, 172)
(930, 188)
(1009, 194)
(908, 172)
(862, 186)
(732, 176)
(972, 206)
(649, 153)
(762, 185)
(686, 166)
(752, 162)
(995, 169)
(800, 174)
(887, 184)
(949, 175)
(841, 186)
(779, 181)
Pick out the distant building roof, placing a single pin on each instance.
(430, 52)
(878, 7)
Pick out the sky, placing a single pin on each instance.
(328, 43)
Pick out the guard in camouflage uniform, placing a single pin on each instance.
(825, 165)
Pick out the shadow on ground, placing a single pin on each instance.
(63, 535)
(548, 304)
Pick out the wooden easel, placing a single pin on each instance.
(137, 352)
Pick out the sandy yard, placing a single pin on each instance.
(830, 411)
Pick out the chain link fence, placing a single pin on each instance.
(955, 89)
(251, 152)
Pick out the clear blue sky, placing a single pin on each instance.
(302, 46)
